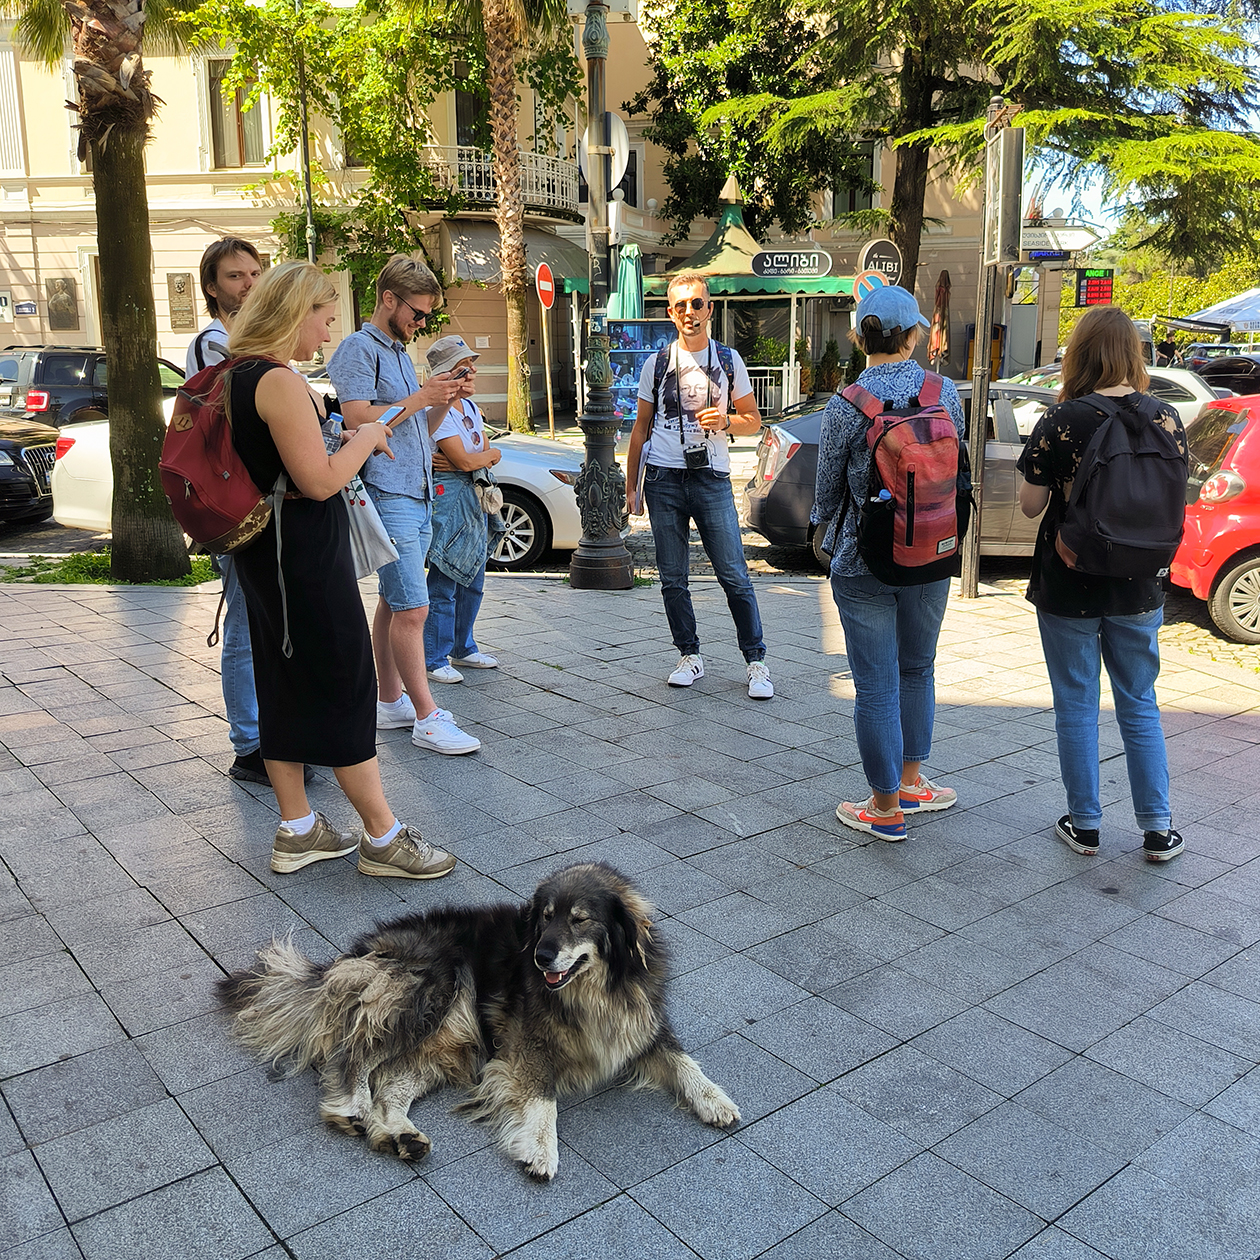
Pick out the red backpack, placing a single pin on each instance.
(210, 491)
(918, 496)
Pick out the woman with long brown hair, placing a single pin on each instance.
(1087, 621)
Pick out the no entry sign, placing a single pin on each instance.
(545, 283)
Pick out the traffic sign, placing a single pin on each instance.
(865, 282)
(618, 141)
(1069, 238)
(545, 283)
(882, 256)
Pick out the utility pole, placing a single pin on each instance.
(601, 561)
(1002, 220)
(311, 234)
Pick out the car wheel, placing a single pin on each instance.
(1235, 602)
(528, 532)
(815, 545)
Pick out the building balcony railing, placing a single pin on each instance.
(549, 185)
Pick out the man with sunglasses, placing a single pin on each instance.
(372, 372)
(694, 396)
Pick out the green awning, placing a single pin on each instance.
(576, 284)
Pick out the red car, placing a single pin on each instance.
(1219, 557)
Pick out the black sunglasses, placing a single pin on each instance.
(696, 304)
(421, 317)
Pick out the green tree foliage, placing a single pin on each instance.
(706, 53)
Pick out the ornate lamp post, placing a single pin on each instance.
(601, 561)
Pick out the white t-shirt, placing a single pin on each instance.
(701, 383)
(207, 347)
(463, 421)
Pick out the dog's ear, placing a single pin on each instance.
(630, 933)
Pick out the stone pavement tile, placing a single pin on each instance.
(1175, 1063)
(808, 842)
(1033, 1162)
(916, 1095)
(110, 801)
(804, 895)
(705, 1200)
(831, 1237)
(201, 886)
(1241, 884)
(34, 1038)
(1137, 1215)
(929, 1210)
(11, 1140)
(149, 951)
(867, 865)
(506, 1208)
(108, 919)
(59, 1245)
(1172, 945)
(685, 835)
(500, 847)
(813, 958)
(677, 887)
(1240, 974)
(1239, 1105)
(829, 1146)
(312, 1175)
(202, 1218)
(1054, 1244)
(1224, 1019)
(994, 874)
(689, 792)
(735, 989)
(44, 878)
(39, 981)
(1080, 1000)
(251, 1109)
(1213, 1160)
(233, 933)
(820, 1039)
(570, 829)
(619, 1227)
(80, 1092)
(751, 815)
(27, 1207)
(195, 1053)
(169, 997)
(633, 811)
(759, 1082)
(1132, 881)
(74, 768)
(998, 1054)
(881, 930)
(1105, 1107)
(1219, 916)
(686, 947)
(743, 863)
(630, 1136)
(121, 1158)
(941, 902)
(901, 1004)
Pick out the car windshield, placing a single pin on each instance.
(1209, 437)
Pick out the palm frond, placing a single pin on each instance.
(43, 27)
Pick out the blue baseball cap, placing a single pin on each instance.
(893, 306)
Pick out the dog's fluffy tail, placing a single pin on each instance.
(282, 1011)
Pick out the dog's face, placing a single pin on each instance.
(584, 920)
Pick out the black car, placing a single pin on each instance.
(27, 453)
(63, 384)
(1239, 372)
(781, 493)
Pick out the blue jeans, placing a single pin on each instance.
(237, 664)
(890, 635)
(676, 497)
(1075, 649)
(409, 524)
(452, 610)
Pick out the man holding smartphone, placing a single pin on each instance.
(372, 372)
(694, 395)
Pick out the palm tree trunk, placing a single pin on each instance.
(509, 213)
(147, 542)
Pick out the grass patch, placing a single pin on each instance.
(643, 580)
(92, 567)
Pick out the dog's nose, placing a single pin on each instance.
(545, 956)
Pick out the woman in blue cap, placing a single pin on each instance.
(890, 632)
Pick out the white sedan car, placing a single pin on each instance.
(1185, 390)
(536, 475)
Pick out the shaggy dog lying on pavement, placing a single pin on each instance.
(521, 1004)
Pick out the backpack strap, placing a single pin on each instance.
(726, 360)
(930, 390)
(659, 371)
(863, 400)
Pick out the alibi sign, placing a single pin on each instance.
(802, 263)
(881, 256)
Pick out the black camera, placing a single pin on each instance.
(696, 457)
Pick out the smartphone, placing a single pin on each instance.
(459, 376)
(389, 416)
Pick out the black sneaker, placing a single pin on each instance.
(1159, 846)
(1078, 839)
(250, 768)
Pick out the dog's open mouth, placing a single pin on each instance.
(558, 979)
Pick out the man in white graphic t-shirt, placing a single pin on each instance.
(690, 405)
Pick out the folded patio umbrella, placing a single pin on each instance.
(626, 301)
(938, 334)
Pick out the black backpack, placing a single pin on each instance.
(1127, 510)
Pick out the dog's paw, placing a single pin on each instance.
(543, 1166)
(353, 1125)
(410, 1145)
(715, 1108)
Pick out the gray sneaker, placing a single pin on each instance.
(291, 852)
(406, 856)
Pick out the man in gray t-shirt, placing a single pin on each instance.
(371, 372)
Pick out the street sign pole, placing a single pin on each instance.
(545, 286)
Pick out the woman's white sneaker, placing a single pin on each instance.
(445, 673)
(688, 669)
(478, 660)
(438, 733)
(393, 717)
(759, 685)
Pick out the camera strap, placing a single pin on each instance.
(708, 397)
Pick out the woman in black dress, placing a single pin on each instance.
(312, 649)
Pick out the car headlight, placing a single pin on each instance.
(563, 474)
(6, 458)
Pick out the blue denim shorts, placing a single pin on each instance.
(409, 523)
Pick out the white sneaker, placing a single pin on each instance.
(438, 733)
(444, 673)
(759, 685)
(478, 660)
(688, 669)
(393, 717)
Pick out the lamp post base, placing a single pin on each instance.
(602, 572)
(601, 561)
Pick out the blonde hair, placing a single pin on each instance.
(268, 323)
(403, 276)
(1103, 350)
(685, 278)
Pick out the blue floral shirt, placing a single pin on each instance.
(844, 458)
